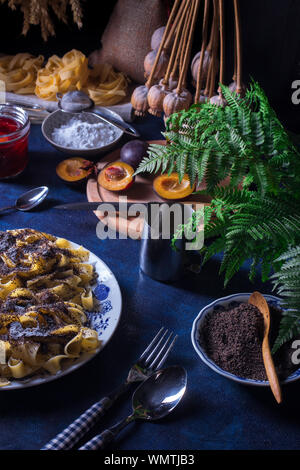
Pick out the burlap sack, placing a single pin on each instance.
(126, 39)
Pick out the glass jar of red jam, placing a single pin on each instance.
(14, 131)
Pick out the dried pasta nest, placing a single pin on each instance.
(25, 74)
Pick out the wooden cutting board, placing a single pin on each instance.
(140, 192)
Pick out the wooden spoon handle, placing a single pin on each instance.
(258, 300)
(270, 371)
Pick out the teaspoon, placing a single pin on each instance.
(28, 200)
(153, 399)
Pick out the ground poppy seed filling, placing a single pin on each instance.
(233, 340)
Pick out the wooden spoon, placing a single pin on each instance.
(260, 302)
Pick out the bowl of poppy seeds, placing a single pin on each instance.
(228, 333)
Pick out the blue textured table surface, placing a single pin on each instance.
(215, 413)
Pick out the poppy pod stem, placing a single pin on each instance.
(181, 98)
(222, 44)
(139, 98)
(176, 43)
(192, 22)
(210, 81)
(178, 17)
(161, 46)
(158, 92)
(203, 47)
(214, 51)
(185, 32)
(238, 46)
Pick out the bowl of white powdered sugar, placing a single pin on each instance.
(84, 134)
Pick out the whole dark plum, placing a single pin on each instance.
(133, 152)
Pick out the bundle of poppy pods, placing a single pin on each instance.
(166, 65)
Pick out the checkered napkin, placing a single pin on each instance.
(73, 433)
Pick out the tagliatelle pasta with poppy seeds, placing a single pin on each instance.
(45, 292)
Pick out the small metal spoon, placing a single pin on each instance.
(28, 200)
(78, 101)
(153, 399)
(260, 302)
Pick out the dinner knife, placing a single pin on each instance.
(81, 206)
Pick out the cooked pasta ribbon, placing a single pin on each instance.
(43, 303)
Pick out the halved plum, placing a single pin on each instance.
(169, 186)
(116, 176)
(74, 170)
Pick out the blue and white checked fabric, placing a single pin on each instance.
(99, 442)
(72, 434)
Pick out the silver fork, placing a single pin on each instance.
(150, 360)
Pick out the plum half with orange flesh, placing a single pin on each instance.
(169, 186)
(116, 176)
(74, 170)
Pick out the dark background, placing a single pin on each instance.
(270, 31)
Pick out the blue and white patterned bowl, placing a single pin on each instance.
(231, 301)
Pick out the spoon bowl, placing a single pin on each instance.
(160, 394)
(74, 101)
(28, 200)
(31, 198)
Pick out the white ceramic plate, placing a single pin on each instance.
(105, 322)
(231, 301)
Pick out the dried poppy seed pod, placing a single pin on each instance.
(157, 37)
(139, 100)
(202, 97)
(218, 100)
(156, 97)
(205, 66)
(175, 102)
(161, 66)
(233, 85)
(172, 84)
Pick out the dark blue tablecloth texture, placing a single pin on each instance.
(215, 413)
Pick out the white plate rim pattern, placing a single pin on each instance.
(239, 297)
(107, 278)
